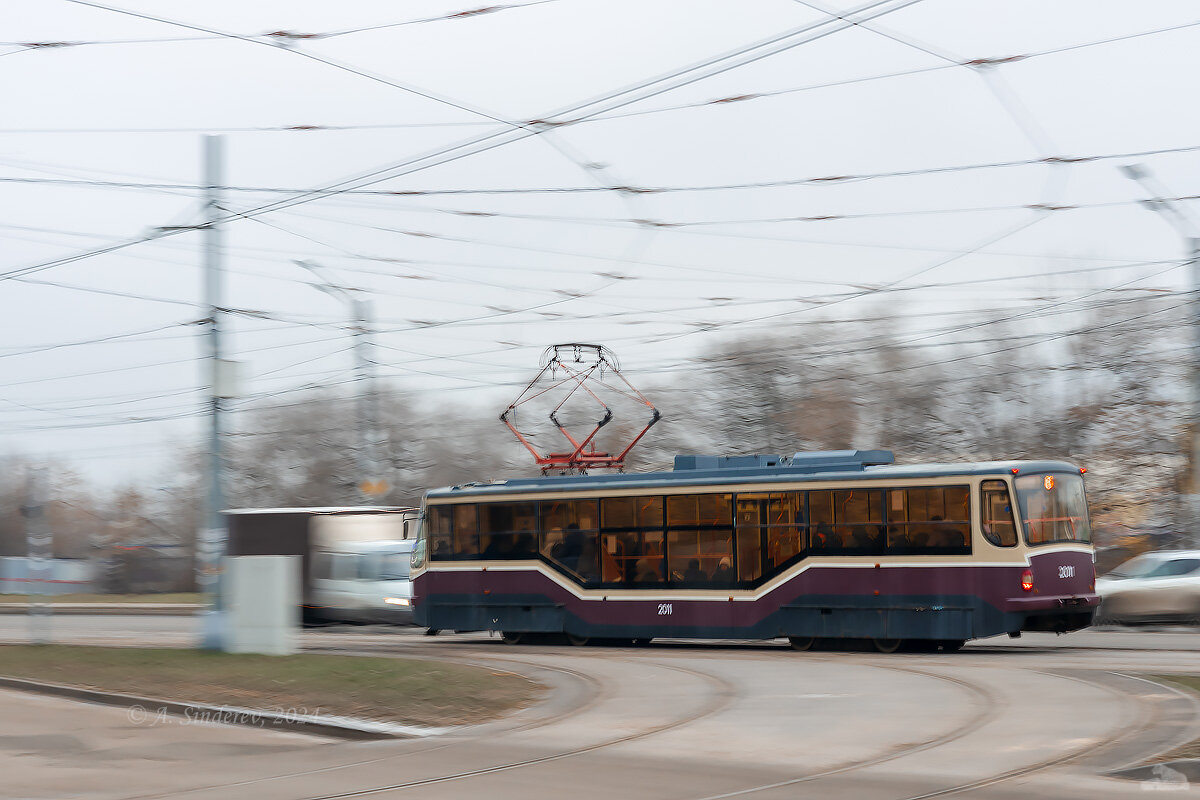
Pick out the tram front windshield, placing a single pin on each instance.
(1053, 508)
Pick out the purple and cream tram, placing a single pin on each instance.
(812, 547)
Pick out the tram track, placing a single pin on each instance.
(719, 701)
(1149, 723)
(593, 698)
(987, 702)
(722, 698)
(723, 695)
(1077, 755)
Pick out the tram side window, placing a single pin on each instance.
(786, 531)
(631, 540)
(846, 522)
(452, 532)
(699, 509)
(700, 557)
(569, 538)
(750, 531)
(508, 530)
(770, 532)
(559, 517)
(929, 521)
(999, 527)
(700, 549)
(466, 531)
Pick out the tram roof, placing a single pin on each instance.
(735, 470)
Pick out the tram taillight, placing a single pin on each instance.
(1027, 580)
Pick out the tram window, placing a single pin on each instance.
(1053, 508)
(999, 527)
(452, 532)
(929, 520)
(772, 521)
(631, 512)
(439, 520)
(846, 522)
(700, 557)
(649, 564)
(630, 556)
(558, 517)
(751, 509)
(465, 540)
(580, 513)
(699, 509)
(751, 513)
(749, 554)
(784, 543)
(820, 521)
(507, 530)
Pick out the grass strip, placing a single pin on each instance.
(409, 692)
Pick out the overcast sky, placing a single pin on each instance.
(483, 234)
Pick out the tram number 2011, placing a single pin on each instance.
(1066, 572)
(664, 609)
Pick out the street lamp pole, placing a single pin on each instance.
(212, 543)
(1185, 225)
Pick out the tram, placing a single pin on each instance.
(812, 547)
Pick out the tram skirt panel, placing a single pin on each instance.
(468, 615)
(841, 621)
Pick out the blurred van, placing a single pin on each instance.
(354, 560)
(362, 582)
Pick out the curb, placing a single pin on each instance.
(87, 609)
(147, 709)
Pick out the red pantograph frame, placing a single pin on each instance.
(577, 373)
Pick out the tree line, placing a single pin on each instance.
(1105, 388)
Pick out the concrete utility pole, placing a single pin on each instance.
(39, 541)
(211, 542)
(1179, 218)
(370, 484)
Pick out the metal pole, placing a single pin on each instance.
(366, 404)
(1183, 222)
(1194, 488)
(212, 539)
(366, 430)
(39, 542)
(368, 398)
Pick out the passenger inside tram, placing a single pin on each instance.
(724, 573)
(693, 571)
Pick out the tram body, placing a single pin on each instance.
(833, 545)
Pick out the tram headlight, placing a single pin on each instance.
(1027, 580)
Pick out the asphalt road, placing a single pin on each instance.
(1038, 717)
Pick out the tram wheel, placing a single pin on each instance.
(512, 637)
(802, 642)
(951, 645)
(576, 640)
(887, 645)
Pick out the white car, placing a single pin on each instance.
(1156, 587)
